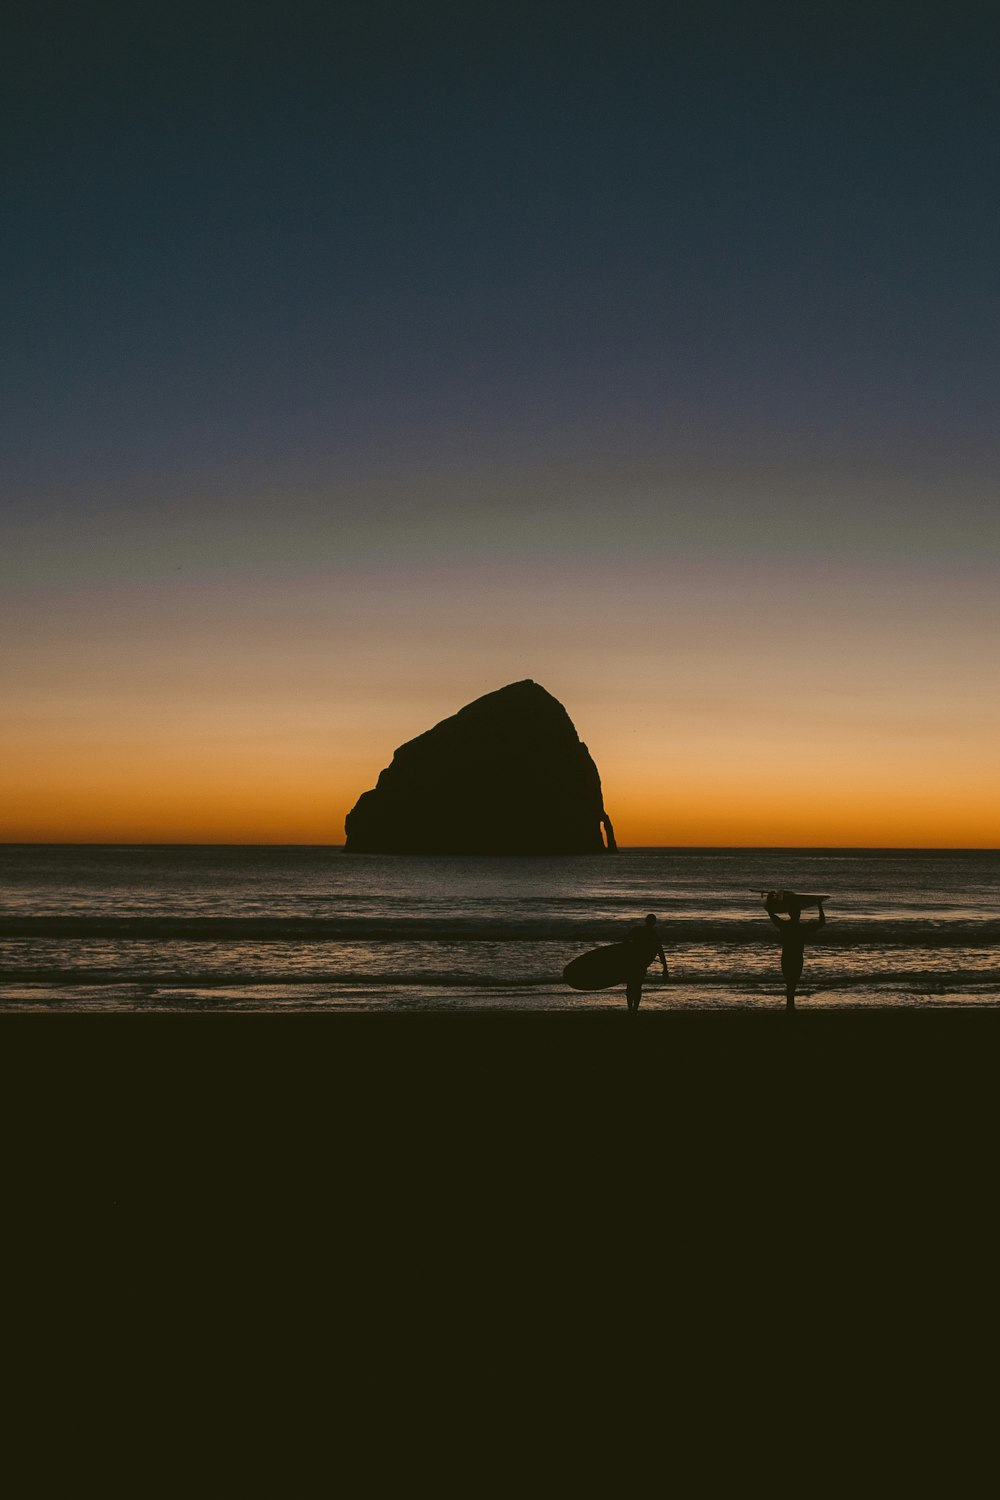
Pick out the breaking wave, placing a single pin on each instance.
(895, 932)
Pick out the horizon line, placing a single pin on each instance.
(622, 848)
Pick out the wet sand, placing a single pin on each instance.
(175, 996)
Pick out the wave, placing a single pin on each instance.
(892, 932)
(924, 980)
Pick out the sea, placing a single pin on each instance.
(263, 928)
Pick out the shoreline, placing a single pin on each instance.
(270, 1000)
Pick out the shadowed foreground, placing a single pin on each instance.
(472, 1205)
(318, 1084)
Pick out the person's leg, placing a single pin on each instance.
(791, 968)
(632, 992)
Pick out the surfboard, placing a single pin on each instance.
(602, 967)
(783, 900)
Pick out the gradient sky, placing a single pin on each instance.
(357, 360)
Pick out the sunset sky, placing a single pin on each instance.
(357, 360)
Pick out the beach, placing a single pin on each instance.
(206, 929)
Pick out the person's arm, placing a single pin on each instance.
(769, 908)
(663, 960)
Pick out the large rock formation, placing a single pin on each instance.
(507, 774)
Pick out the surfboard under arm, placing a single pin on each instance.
(602, 967)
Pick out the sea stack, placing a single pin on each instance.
(507, 774)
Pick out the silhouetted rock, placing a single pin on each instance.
(507, 774)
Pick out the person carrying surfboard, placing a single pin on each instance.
(645, 941)
(794, 935)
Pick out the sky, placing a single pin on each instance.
(356, 360)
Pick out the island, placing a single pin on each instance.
(506, 775)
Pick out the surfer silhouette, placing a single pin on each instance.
(645, 941)
(794, 935)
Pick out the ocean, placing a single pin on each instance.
(217, 928)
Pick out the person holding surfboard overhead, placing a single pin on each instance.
(645, 942)
(794, 934)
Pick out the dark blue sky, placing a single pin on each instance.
(281, 239)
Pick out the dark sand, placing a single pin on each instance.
(684, 1211)
(316, 1086)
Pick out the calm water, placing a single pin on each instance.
(199, 928)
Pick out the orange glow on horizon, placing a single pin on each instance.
(256, 716)
(286, 798)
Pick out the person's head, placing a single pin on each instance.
(794, 913)
(651, 920)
